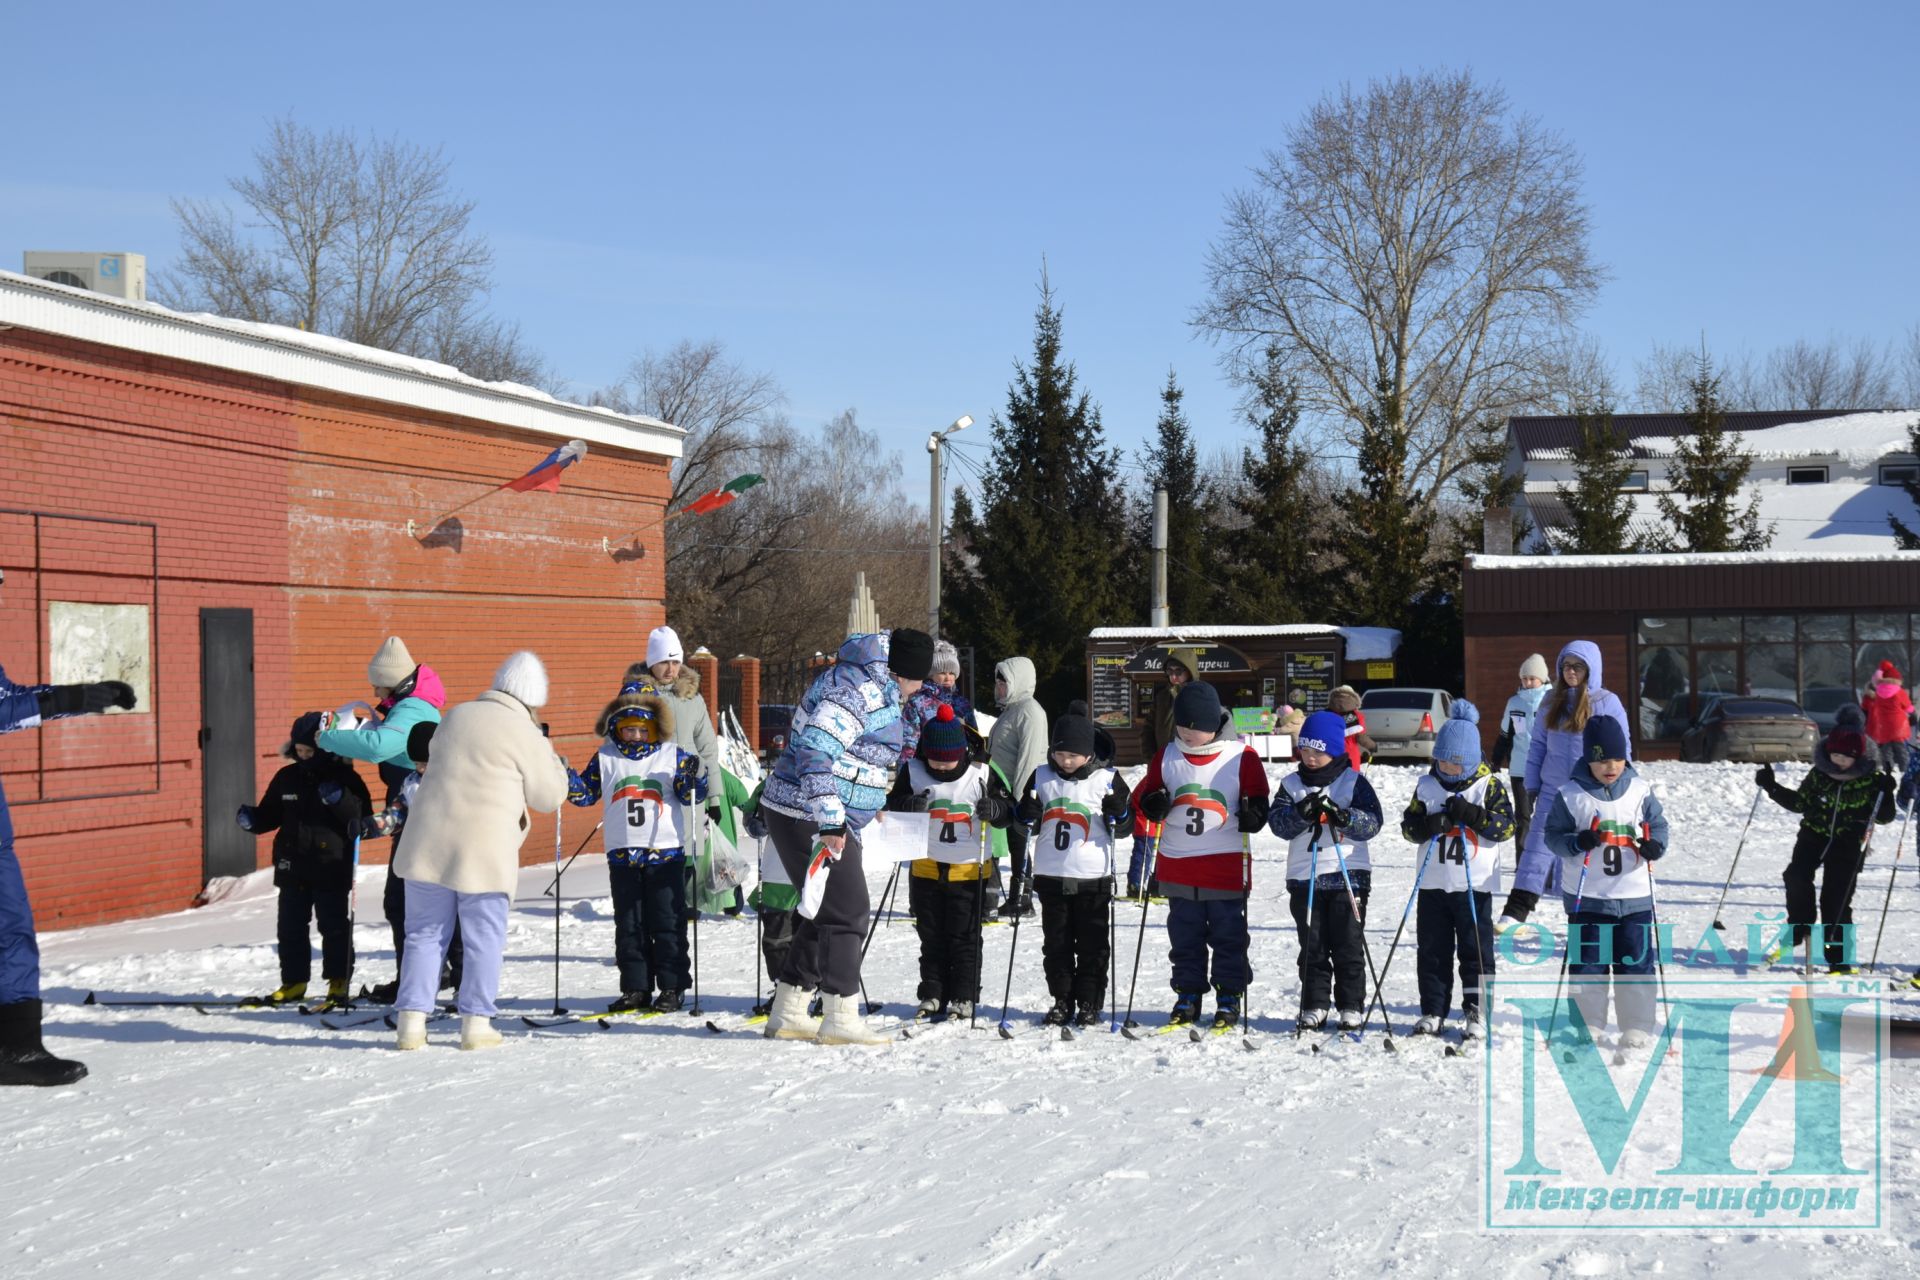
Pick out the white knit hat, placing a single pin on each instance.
(946, 658)
(390, 665)
(663, 645)
(523, 676)
(1535, 667)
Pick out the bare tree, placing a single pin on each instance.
(1835, 374)
(1418, 247)
(363, 240)
(1909, 360)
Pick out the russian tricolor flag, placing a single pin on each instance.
(546, 475)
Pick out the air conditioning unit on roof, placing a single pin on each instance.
(118, 275)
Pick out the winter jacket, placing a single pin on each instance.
(692, 722)
(1363, 819)
(689, 789)
(1837, 803)
(1552, 757)
(1889, 712)
(314, 808)
(1561, 840)
(1516, 728)
(491, 764)
(1499, 807)
(1160, 719)
(1018, 742)
(19, 709)
(844, 746)
(1345, 703)
(923, 706)
(385, 742)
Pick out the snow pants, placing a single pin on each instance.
(1600, 945)
(298, 905)
(776, 935)
(1842, 856)
(1446, 929)
(393, 902)
(19, 949)
(1076, 938)
(1333, 961)
(825, 952)
(432, 912)
(650, 925)
(1197, 926)
(946, 915)
(1522, 809)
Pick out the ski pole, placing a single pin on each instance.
(1882, 931)
(553, 888)
(1394, 946)
(1246, 882)
(1660, 963)
(1113, 939)
(1013, 949)
(1736, 860)
(559, 826)
(1579, 896)
(873, 923)
(1480, 950)
(1360, 923)
(695, 1011)
(888, 895)
(759, 944)
(979, 917)
(1312, 932)
(1153, 850)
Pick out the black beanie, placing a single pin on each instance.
(910, 653)
(1197, 706)
(306, 729)
(418, 740)
(1073, 732)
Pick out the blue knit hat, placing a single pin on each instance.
(1324, 731)
(1458, 741)
(1604, 739)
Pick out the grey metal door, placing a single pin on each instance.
(226, 739)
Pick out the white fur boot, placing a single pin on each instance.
(411, 1030)
(844, 1025)
(789, 1019)
(477, 1032)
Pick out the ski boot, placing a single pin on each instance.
(631, 1002)
(1427, 1025)
(1186, 1009)
(287, 993)
(1841, 970)
(927, 1008)
(1061, 1013)
(1471, 1025)
(1352, 1019)
(23, 1058)
(670, 1002)
(1089, 1015)
(339, 990)
(1914, 981)
(1310, 1019)
(960, 1011)
(382, 993)
(1226, 1009)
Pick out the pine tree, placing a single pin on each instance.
(1272, 561)
(1599, 512)
(1172, 462)
(1903, 536)
(1045, 557)
(1708, 470)
(1387, 524)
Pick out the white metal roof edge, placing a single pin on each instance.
(1698, 558)
(291, 355)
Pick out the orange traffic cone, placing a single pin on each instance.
(1797, 1045)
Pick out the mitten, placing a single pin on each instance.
(1466, 813)
(755, 824)
(916, 802)
(1336, 816)
(1434, 824)
(1764, 775)
(1652, 850)
(994, 810)
(1309, 807)
(1587, 841)
(1155, 805)
(245, 817)
(1113, 805)
(1029, 810)
(1253, 814)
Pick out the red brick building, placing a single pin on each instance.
(259, 505)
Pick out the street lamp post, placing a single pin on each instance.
(936, 511)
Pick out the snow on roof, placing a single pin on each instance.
(1718, 559)
(1840, 516)
(1856, 439)
(316, 360)
(1362, 642)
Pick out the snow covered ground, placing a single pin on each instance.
(262, 1144)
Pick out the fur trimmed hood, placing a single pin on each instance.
(649, 697)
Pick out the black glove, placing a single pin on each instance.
(1587, 841)
(994, 810)
(1652, 850)
(1884, 783)
(1029, 811)
(1113, 805)
(1336, 816)
(1764, 775)
(1155, 805)
(1433, 824)
(1466, 813)
(916, 802)
(84, 699)
(1253, 814)
(1310, 807)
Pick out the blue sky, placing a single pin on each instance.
(858, 198)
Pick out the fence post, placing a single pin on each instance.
(709, 668)
(749, 708)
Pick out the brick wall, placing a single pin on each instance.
(1496, 645)
(293, 503)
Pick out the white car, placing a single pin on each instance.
(1403, 722)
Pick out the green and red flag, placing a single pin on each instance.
(726, 493)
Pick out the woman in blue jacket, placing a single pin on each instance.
(1575, 697)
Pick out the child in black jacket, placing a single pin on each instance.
(315, 806)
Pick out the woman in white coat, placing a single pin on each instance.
(461, 857)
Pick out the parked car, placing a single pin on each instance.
(776, 721)
(1403, 722)
(1731, 727)
(1823, 702)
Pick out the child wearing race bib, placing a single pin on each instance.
(1608, 830)
(961, 798)
(1209, 792)
(1462, 819)
(1516, 739)
(1076, 800)
(1326, 812)
(647, 784)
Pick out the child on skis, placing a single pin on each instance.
(1326, 812)
(1462, 818)
(648, 784)
(1839, 801)
(314, 806)
(1889, 718)
(1607, 828)
(1075, 800)
(946, 889)
(1203, 794)
(392, 820)
(1516, 739)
